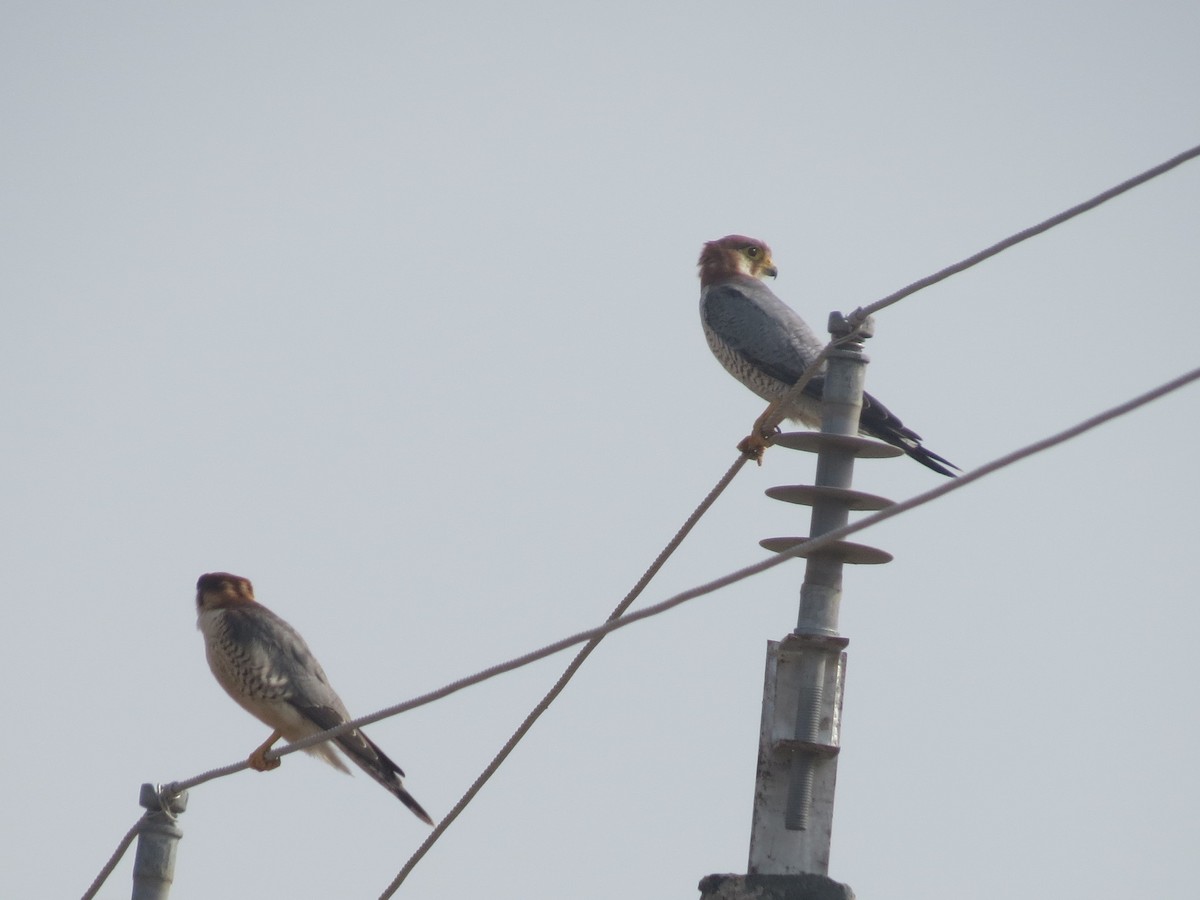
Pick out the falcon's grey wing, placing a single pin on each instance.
(751, 322)
(767, 346)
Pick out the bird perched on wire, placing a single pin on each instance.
(264, 665)
(766, 346)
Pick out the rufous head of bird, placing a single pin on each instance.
(220, 590)
(733, 255)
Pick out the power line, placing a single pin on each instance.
(566, 676)
(108, 867)
(861, 313)
(775, 413)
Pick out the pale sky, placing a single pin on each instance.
(392, 309)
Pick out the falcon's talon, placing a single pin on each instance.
(753, 446)
(265, 666)
(766, 346)
(258, 759)
(259, 762)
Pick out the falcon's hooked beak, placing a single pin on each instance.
(769, 269)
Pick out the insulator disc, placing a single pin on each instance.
(842, 551)
(808, 494)
(811, 441)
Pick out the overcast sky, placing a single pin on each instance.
(391, 308)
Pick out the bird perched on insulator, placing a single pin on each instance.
(267, 668)
(766, 346)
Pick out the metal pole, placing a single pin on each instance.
(821, 593)
(802, 700)
(158, 839)
(841, 403)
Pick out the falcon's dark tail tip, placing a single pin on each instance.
(909, 441)
(408, 800)
(931, 460)
(379, 766)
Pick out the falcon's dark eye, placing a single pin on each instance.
(752, 252)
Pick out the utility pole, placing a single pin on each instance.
(800, 736)
(158, 839)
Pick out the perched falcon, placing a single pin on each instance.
(264, 664)
(766, 346)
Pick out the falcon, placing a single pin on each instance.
(267, 668)
(766, 346)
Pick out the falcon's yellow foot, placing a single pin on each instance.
(258, 759)
(753, 446)
(757, 442)
(761, 435)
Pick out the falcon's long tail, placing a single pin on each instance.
(879, 422)
(367, 756)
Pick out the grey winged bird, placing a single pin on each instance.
(766, 346)
(264, 665)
